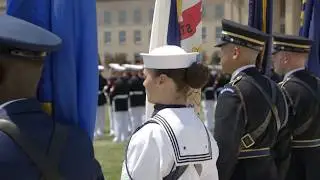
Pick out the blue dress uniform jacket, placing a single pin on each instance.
(240, 110)
(304, 124)
(119, 94)
(102, 100)
(137, 91)
(76, 160)
(208, 89)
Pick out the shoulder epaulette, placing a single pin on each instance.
(236, 80)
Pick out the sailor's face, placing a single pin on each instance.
(150, 83)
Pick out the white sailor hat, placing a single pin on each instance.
(133, 67)
(117, 67)
(169, 57)
(100, 67)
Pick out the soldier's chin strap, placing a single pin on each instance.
(48, 164)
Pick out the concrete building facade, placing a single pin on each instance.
(125, 26)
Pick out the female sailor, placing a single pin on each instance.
(174, 144)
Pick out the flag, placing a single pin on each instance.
(69, 83)
(177, 22)
(310, 28)
(260, 17)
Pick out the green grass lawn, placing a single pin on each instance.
(110, 155)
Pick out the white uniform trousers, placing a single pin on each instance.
(208, 107)
(111, 121)
(136, 115)
(100, 121)
(121, 122)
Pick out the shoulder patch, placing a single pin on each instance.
(227, 90)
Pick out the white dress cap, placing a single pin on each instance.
(169, 57)
(116, 67)
(133, 67)
(100, 67)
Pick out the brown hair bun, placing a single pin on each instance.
(197, 75)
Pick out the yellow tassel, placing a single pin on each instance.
(47, 107)
(179, 9)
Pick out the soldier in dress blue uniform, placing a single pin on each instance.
(208, 101)
(303, 92)
(136, 97)
(251, 109)
(102, 101)
(33, 146)
(119, 94)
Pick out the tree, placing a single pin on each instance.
(121, 58)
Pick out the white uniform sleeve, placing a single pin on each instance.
(210, 168)
(147, 156)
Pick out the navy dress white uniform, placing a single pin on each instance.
(101, 109)
(119, 94)
(303, 91)
(208, 102)
(137, 97)
(250, 112)
(33, 146)
(174, 143)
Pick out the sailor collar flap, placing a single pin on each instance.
(189, 138)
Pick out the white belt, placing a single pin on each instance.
(135, 93)
(123, 96)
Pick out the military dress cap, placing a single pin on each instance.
(169, 57)
(19, 37)
(291, 43)
(242, 35)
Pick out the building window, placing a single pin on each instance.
(149, 35)
(122, 17)
(218, 33)
(204, 33)
(122, 37)
(151, 15)
(137, 16)
(107, 37)
(137, 36)
(219, 11)
(107, 17)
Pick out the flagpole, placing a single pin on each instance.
(158, 35)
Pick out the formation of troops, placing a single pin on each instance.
(126, 115)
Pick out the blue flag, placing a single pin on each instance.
(69, 83)
(260, 17)
(311, 29)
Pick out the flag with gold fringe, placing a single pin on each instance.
(260, 17)
(310, 28)
(69, 83)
